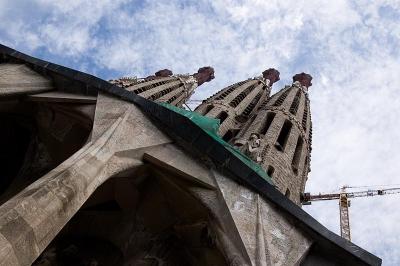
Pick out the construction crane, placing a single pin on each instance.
(344, 202)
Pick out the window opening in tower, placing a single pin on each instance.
(283, 136)
(296, 156)
(163, 92)
(230, 134)
(281, 98)
(305, 114)
(267, 124)
(222, 116)
(295, 104)
(145, 87)
(247, 111)
(229, 90)
(176, 96)
(238, 99)
(208, 109)
(247, 125)
(270, 170)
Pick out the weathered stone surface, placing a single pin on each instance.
(58, 96)
(270, 237)
(43, 209)
(46, 205)
(235, 104)
(170, 157)
(284, 126)
(166, 87)
(18, 79)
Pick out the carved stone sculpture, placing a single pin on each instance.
(253, 147)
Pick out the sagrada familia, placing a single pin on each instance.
(97, 172)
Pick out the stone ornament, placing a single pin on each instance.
(204, 74)
(302, 79)
(272, 75)
(253, 145)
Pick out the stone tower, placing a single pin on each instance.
(235, 104)
(164, 86)
(278, 137)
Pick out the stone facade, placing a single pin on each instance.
(20, 79)
(280, 134)
(235, 104)
(166, 87)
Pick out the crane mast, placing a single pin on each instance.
(344, 203)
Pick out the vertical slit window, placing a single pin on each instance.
(267, 124)
(270, 170)
(238, 99)
(159, 94)
(146, 87)
(173, 98)
(283, 136)
(297, 154)
(295, 104)
(305, 115)
(281, 98)
(263, 104)
(251, 105)
(287, 193)
(230, 134)
(222, 116)
(208, 109)
(228, 90)
(247, 125)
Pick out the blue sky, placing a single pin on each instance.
(351, 48)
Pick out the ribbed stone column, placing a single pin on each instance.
(278, 137)
(235, 104)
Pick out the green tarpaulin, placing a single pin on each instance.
(211, 126)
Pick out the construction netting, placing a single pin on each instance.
(211, 126)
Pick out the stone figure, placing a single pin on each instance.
(253, 149)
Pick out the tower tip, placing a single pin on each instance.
(272, 75)
(163, 73)
(204, 74)
(304, 79)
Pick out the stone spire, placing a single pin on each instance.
(278, 137)
(164, 86)
(235, 104)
